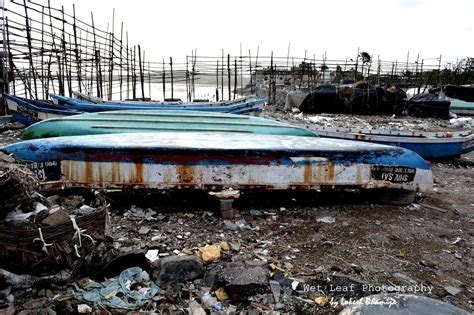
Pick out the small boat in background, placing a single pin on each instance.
(216, 161)
(255, 105)
(127, 121)
(429, 145)
(97, 100)
(29, 111)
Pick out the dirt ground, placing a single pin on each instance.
(328, 238)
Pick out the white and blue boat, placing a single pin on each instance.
(216, 161)
(429, 145)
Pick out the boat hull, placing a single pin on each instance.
(218, 160)
(159, 121)
(429, 145)
(253, 106)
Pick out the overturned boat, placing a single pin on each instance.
(215, 161)
(159, 121)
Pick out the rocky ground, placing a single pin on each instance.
(291, 252)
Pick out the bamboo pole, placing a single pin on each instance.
(140, 65)
(30, 53)
(163, 81)
(228, 75)
(76, 50)
(172, 82)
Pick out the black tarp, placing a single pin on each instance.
(465, 93)
(428, 105)
(363, 100)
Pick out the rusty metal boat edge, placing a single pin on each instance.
(218, 161)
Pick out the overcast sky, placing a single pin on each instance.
(337, 27)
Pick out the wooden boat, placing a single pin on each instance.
(255, 105)
(214, 161)
(159, 121)
(429, 145)
(29, 111)
(97, 100)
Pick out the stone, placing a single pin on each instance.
(242, 279)
(178, 269)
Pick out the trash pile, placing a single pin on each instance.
(399, 123)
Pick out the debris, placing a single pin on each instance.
(276, 288)
(144, 230)
(238, 225)
(321, 300)
(225, 246)
(452, 290)
(221, 294)
(435, 208)
(210, 253)
(84, 308)
(178, 269)
(261, 306)
(326, 220)
(127, 291)
(226, 194)
(194, 308)
(211, 302)
(235, 246)
(152, 255)
(256, 213)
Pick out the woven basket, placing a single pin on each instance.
(22, 251)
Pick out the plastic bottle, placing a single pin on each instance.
(211, 301)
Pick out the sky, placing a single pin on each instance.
(388, 29)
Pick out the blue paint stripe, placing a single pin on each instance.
(54, 149)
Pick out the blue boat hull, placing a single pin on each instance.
(429, 145)
(221, 160)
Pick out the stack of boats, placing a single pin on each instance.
(29, 111)
(130, 145)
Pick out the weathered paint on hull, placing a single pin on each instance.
(215, 161)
